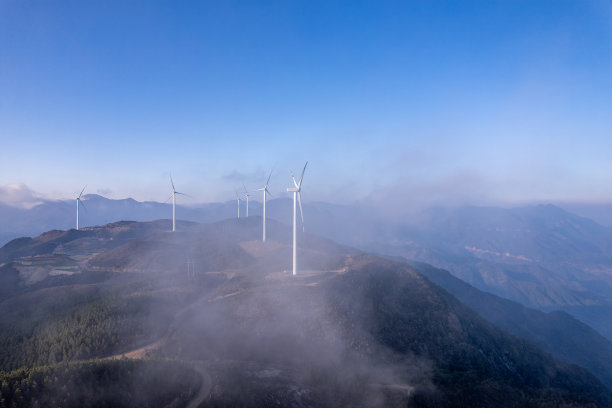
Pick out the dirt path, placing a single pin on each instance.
(205, 386)
(137, 353)
(141, 352)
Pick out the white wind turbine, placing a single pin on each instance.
(297, 198)
(238, 199)
(79, 202)
(265, 190)
(173, 196)
(246, 195)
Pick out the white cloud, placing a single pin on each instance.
(104, 191)
(19, 195)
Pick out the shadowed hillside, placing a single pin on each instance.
(556, 332)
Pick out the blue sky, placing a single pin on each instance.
(410, 101)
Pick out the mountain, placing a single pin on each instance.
(601, 213)
(540, 256)
(48, 215)
(557, 333)
(351, 329)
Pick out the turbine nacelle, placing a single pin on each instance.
(246, 192)
(81, 193)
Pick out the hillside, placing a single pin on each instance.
(350, 329)
(540, 256)
(557, 333)
(101, 384)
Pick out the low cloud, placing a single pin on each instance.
(19, 195)
(257, 176)
(104, 191)
(235, 176)
(411, 196)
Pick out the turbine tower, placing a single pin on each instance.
(297, 198)
(246, 195)
(79, 202)
(174, 193)
(265, 190)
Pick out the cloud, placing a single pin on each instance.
(104, 191)
(19, 195)
(258, 175)
(411, 195)
(235, 176)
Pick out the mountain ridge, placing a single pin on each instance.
(540, 256)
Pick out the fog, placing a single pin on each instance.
(239, 317)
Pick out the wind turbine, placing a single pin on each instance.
(173, 196)
(297, 198)
(79, 202)
(246, 195)
(238, 199)
(265, 190)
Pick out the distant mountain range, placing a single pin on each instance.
(540, 256)
(352, 329)
(48, 215)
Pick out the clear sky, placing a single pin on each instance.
(410, 101)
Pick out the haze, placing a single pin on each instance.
(417, 103)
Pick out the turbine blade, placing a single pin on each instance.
(82, 203)
(82, 190)
(294, 182)
(268, 181)
(268, 192)
(302, 176)
(172, 182)
(299, 197)
(168, 199)
(246, 192)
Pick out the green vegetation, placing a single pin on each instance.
(119, 383)
(76, 330)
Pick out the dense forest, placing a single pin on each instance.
(81, 326)
(111, 383)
